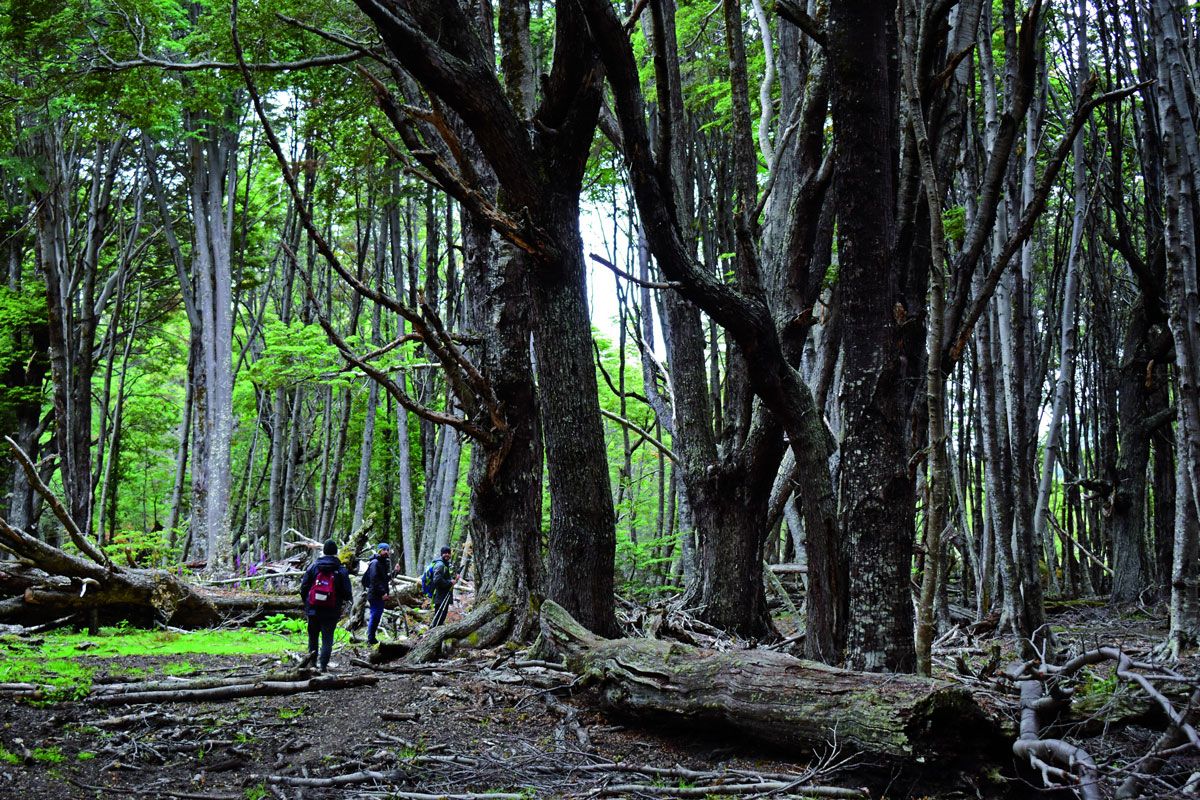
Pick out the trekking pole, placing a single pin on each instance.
(445, 604)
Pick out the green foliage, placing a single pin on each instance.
(8, 757)
(640, 564)
(141, 548)
(48, 755)
(23, 318)
(281, 623)
(295, 354)
(954, 224)
(1094, 684)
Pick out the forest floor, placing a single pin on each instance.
(484, 724)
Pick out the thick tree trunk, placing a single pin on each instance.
(772, 697)
(506, 488)
(582, 537)
(212, 180)
(1127, 522)
(876, 492)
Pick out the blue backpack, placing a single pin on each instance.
(427, 578)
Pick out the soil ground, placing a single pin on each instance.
(483, 726)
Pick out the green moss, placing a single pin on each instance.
(48, 755)
(8, 757)
(84, 755)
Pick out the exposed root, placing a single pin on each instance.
(486, 624)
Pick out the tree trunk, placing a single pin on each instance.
(876, 492)
(212, 153)
(1068, 329)
(582, 537)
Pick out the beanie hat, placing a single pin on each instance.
(330, 548)
(383, 547)
(445, 551)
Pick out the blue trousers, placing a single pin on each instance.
(376, 607)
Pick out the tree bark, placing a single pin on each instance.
(876, 492)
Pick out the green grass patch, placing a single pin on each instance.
(292, 713)
(66, 661)
(8, 757)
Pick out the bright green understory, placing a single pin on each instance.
(66, 661)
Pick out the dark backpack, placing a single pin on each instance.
(427, 578)
(323, 593)
(366, 578)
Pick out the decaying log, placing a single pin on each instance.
(48, 584)
(244, 689)
(776, 698)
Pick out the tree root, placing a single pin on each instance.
(487, 624)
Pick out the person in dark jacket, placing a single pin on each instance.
(443, 580)
(322, 609)
(377, 581)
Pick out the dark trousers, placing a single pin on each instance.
(321, 626)
(441, 605)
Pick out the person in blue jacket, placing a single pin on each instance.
(325, 590)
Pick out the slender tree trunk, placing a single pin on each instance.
(1068, 328)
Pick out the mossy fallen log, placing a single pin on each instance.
(797, 705)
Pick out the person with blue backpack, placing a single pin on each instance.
(438, 583)
(325, 590)
(377, 581)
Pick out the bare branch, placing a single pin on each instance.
(35, 480)
(620, 273)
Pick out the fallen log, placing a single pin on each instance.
(49, 586)
(778, 699)
(188, 684)
(253, 689)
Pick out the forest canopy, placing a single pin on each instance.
(629, 301)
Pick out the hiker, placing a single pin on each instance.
(442, 581)
(325, 590)
(377, 581)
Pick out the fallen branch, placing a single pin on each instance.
(258, 689)
(763, 787)
(377, 776)
(77, 537)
